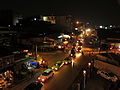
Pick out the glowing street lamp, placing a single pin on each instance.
(89, 64)
(84, 74)
(76, 28)
(77, 22)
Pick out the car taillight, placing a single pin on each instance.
(56, 68)
(42, 80)
(39, 78)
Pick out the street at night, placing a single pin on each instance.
(60, 45)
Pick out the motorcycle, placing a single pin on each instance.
(79, 50)
(72, 55)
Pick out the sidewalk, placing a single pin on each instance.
(94, 84)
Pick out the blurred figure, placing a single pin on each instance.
(82, 53)
(73, 52)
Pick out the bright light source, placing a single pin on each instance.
(101, 26)
(119, 46)
(35, 19)
(76, 28)
(43, 80)
(64, 36)
(89, 64)
(45, 18)
(77, 22)
(65, 42)
(78, 55)
(8, 25)
(87, 30)
(110, 25)
(84, 72)
(72, 63)
(59, 46)
(25, 50)
(106, 28)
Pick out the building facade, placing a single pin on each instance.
(63, 21)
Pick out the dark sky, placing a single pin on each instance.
(95, 11)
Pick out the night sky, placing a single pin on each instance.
(98, 12)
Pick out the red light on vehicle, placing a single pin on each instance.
(25, 50)
(42, 79)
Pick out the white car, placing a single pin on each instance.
(107, 75)
(48, 73)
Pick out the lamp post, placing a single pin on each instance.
(72, 63)
(89, 64)
(84, 74)
(89, 67)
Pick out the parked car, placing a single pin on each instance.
(108, 75)
(36, 85)
(57, 65)
(48, 73)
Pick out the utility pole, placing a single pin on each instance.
(36, 50)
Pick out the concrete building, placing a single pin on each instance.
(6, 61)
(6, 36)
(63, 21)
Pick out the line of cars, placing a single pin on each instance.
(38, 83)
(59, 64)
(48, 73)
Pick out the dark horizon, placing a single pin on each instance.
(97, 12)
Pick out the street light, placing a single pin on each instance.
(84, 74)
(89, 66)
(77, 22)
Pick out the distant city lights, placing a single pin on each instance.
(77, 22)
(110, 26)
(35, 19)
(45, 18)
(76, 28)
(101, 26)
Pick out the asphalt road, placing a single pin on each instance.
(63, 78)
(51, 57)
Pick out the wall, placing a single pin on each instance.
(106, 66)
